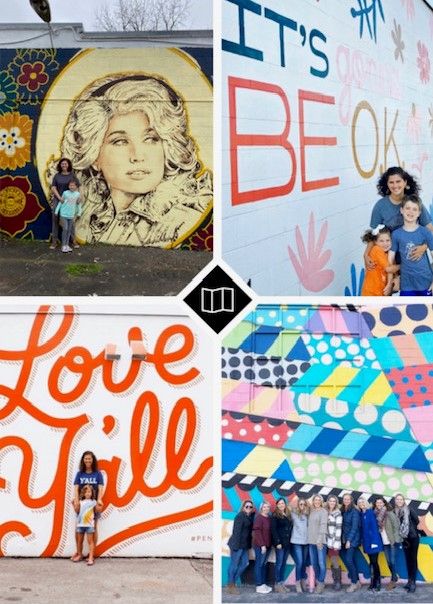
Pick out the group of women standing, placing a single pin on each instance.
(313, 532)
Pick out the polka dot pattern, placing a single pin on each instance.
(331, 349)
(413, 386)
(404, 319)
(261, 370)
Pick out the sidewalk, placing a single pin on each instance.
(30, 268)
(110, 580)
(424, 593)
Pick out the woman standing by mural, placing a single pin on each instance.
(262, 544)
(239, 544)
(371, 541)
(350, 540)
(333, 538)
(317, 526)
(389, 531)
(299, 541)
(142, 181)
(88, 473)
(409, 533)
(281, 528)
(59, 185)
(393, 185)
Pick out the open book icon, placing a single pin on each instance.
(221, 299)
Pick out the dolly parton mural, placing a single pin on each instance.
(137, 126)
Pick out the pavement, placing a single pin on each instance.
(30, 268)
(424, 593)
(110, 580)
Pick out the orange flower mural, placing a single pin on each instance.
(15, 137)
(18, 204)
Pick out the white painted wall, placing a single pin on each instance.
(371, 107)
(44, 431)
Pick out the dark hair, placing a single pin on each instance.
(412, 199)
(85, 486)
(351, 505)
(277, 513)
(59, 168)
(94, 461)
(386, 504)
(368, 235)
(245, 502)
(382, 183)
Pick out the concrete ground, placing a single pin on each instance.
(30, 268)
(424, 593)
(110, 580)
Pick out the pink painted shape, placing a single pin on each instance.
(408, 350)
(311, 260)
(281, 409)
(237, 398)
(420, 420)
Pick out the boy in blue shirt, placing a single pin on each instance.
(416, 275)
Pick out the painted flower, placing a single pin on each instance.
(203, 239)
(410, 8)
(430, 122)
(32, 75)
(398, 42)
(423, 63)
(19, 206)
(8, 92)
(356, 284)
(15, 136)
(33, 70)
(413, 126)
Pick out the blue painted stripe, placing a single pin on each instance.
(233, 452)
(350, 445)
(398, 454)
(386, 354)
(326, 441)
(303, 436)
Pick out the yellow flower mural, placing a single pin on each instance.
(15, 137)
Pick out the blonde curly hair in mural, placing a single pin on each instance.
(141, 180)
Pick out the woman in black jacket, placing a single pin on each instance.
(281, 528)
(409, 533)
(239, 544)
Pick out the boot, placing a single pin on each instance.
(412, 587)
(320, 587)
(232, 589)
(393, 582)
(372, 580)
(378, 584)
(298, 586)
(279, 588)
(336, 576)
(304, 585)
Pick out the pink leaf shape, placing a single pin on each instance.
(312, 258)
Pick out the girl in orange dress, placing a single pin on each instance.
(379, 280)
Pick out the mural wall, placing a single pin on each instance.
(323, 399)
(131, 384)
(319, 98)
(137, 126)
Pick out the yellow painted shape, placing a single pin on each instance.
(282, 345)
(425, 562)
(378, 391)
(263, 401)
(430, 478)
(262, 461)
(428, 521)
(228, 386)
(339, 379)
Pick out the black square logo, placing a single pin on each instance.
(217, 299)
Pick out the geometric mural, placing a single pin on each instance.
(326, 399)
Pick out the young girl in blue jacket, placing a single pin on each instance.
(371, 541)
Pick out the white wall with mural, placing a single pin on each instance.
(146, 415)
(319, 98)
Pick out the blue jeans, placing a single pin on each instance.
(67, 225)
(238, 563)
(318, 561)
(299, 553)
(281, 556)
(348, 557)
(390, 553)
(260, 565)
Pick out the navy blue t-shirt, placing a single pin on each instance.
(416, 275)
(93, 478)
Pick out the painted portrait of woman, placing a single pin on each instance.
(132, 139)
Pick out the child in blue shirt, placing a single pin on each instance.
(69, 209)
(416, 275)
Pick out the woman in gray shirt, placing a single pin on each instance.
(299, 541)
(317, 528)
